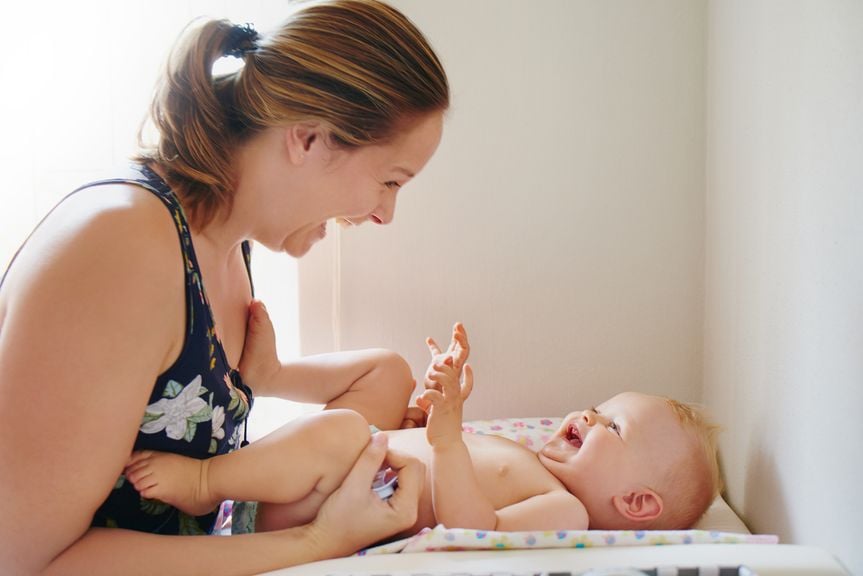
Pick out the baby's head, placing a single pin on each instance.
(637, 462)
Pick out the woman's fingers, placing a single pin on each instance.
(411, 474)
(369, 462)
(354, 516)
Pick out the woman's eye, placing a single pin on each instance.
(392, 185)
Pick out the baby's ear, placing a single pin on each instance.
(639, 506)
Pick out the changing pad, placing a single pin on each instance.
(718, 525)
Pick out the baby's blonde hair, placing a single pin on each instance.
(691, 485)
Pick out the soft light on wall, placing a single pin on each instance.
(75, 83)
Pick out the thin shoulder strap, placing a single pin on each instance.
(247, 258)
(57, 205)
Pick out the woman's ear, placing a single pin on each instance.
(300, 140)
(639, 506)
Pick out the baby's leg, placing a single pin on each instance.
(296, 461)
(382, 394)
(176, 480)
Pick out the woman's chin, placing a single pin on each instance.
(297, 251)
(299, 244)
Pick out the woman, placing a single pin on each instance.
(116, 337)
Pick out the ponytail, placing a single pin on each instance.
(192, 114)
(359, 67)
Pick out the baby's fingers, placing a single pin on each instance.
(467, 383)
(433, 347)
(415, 417)
(424, 404)
(459, 347)
(429, 398)
(443, 378)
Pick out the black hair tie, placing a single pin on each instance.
(241, 40)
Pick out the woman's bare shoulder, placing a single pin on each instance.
(103, 254)
(94, 307)
(104, 230)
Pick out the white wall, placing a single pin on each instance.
(562, 218)
(783, 362)
(622, 185)
(74, 89)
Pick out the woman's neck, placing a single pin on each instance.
(217, 239)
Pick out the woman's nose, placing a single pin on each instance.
(385, 211)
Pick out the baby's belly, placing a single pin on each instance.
(412, 441)
(506, 471)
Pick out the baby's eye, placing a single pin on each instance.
(615, 428)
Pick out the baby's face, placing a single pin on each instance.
(625, 444)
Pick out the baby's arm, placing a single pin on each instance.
(456, 495)
(555, 510)
(457, 499)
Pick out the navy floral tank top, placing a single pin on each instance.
(198, 406)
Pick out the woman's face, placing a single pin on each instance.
(355, 185)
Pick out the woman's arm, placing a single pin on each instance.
(351, 518)
(94, 311)
(375, 382)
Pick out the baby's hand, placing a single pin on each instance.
(459, 348)
(443, 400)
(259, 362)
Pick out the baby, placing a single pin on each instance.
(633, 462)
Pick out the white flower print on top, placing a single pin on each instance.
(218, 422)
(179, 412)
(218, 427)
(234, 440)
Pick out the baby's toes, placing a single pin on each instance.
(139, 477)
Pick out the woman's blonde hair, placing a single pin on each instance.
(359, 67)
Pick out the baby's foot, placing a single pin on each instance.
(176, 480)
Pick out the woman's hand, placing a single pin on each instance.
(354, 517)
(259, 363)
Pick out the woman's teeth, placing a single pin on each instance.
(344, 222)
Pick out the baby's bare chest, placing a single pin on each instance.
(507, 472)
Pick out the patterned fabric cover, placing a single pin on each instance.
(533, 433)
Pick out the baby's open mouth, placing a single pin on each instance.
(572, 435)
